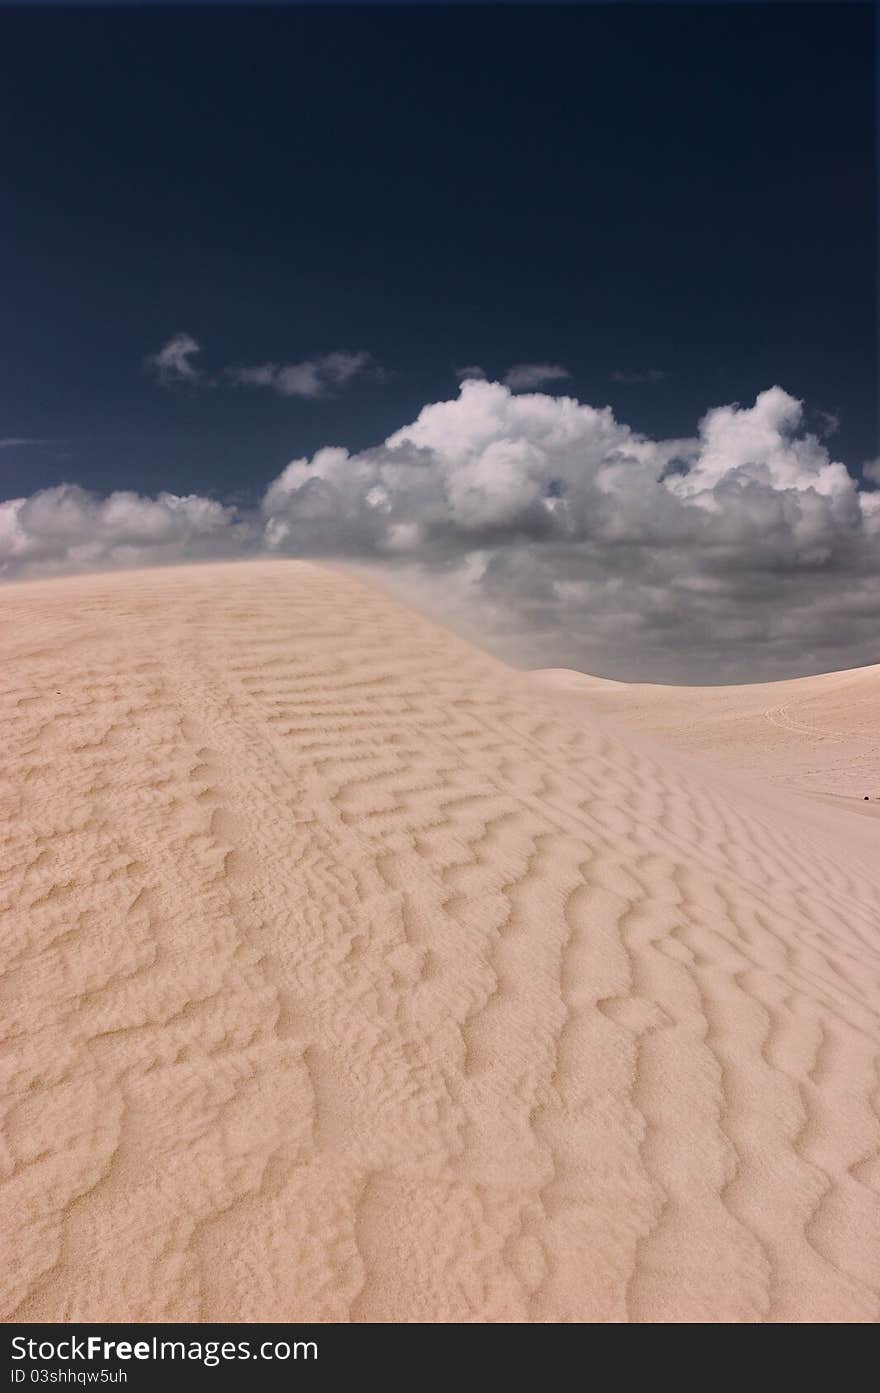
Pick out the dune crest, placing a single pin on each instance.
(350, 977)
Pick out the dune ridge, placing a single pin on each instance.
(348, 976)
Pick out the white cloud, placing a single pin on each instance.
(758, 444)
(559, 533)
(173, 363)
(66, 528)
(313, 378)
(526, 377)
(720, 555)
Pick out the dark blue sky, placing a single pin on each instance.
(689, 190)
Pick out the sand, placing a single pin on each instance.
(351, 976)
(819, 736)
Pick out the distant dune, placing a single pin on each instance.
(350, 975)
(818, 735)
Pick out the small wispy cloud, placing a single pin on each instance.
(524, 377)
(14, 442)
(829, 422)
(173, 363)
(314, 377)
(634, 379)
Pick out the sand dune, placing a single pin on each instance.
(817, 735)
(351, 976)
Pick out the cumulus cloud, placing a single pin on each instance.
(67, 528)
(559, 534)
(316, 377)
(173, 364)
(526, 377)
(572, 539)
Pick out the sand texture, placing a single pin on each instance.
(817, 735)
(350, 975)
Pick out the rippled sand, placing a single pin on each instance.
(350, 975)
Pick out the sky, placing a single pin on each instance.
(645, 237)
